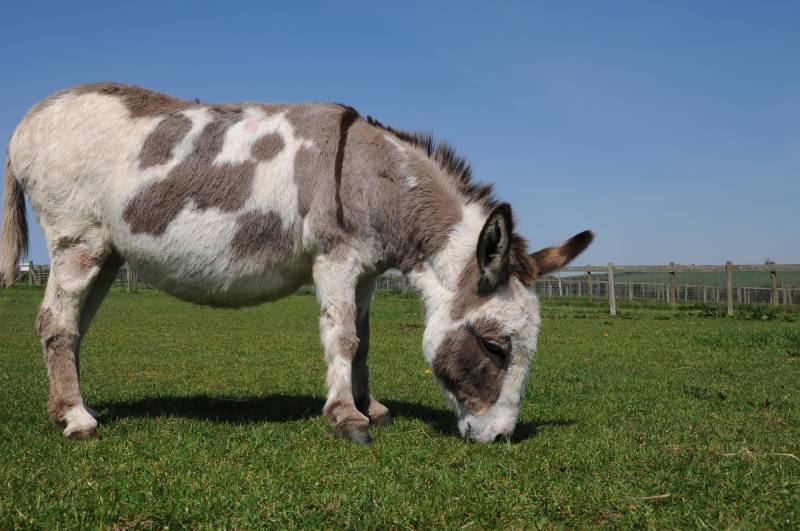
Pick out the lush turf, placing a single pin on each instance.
(210, 418)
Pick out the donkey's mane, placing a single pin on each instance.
(454, 164)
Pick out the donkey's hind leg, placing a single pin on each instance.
(76, 264)
(105, 279)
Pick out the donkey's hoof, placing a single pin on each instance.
(384, 419)
(82, 435)
(378, 414)
(358, 433)
(79, 424)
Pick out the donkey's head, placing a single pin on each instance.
(481, 330)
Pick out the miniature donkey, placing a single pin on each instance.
(236, 204)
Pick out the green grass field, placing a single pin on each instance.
(210, 418)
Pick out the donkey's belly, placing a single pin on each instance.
(194, 261)
(238, 287)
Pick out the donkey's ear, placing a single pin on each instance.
(552, 258)
(494, 244)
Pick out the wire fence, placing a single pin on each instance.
(729, 284)
(550, 288)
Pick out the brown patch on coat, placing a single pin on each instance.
(262, 236)
(466, 370)
(160, 143)
(139, 101)
(224, 186)
(268, 146)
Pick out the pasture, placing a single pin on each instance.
(211, 418)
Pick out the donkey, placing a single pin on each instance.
(237, 204)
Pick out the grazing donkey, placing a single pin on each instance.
(236, 204)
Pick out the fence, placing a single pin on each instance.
(595, 282)
(671, 292)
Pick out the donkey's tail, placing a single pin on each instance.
(14, 242)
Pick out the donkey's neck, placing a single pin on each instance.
(440, 225)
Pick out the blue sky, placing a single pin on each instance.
(672, 129)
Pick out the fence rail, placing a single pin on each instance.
(592, 282)
(670, 292)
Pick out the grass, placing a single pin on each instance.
(210, 418)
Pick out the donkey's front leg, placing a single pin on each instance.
(378, 413)
(336, 282)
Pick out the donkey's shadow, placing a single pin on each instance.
(283, 408)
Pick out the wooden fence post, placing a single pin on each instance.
(773, 278)
(612, 295)
(630, 291)
(128, 276)
(589, 284)
(30, 273)
(673, 291)
(729, 285)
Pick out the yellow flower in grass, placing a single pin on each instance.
(426, 372)
(605, 334)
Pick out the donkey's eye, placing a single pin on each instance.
(497, 352)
